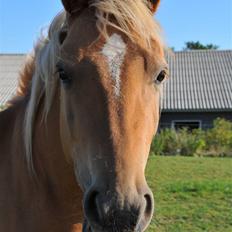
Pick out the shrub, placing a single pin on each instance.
(219, 138)
(213, 142)
(171, 142)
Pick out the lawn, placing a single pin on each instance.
(191, 194)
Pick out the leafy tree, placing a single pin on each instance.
(172, 49)
(191, 45)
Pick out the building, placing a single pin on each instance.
(199, 89)
(10, 65)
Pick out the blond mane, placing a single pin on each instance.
(131, 17)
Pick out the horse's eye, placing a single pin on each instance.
(63, 75)
(161, 77)
(62, 36)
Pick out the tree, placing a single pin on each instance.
(198, 46)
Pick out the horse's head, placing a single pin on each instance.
(110, 107)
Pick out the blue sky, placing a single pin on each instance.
(182, 20)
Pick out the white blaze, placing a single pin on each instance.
(114, 50)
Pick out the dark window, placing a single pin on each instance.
(190, 125)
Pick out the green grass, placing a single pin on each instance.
(191, 194)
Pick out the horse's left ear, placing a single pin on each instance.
(153, 4)
(73, 6)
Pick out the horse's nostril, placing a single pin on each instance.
(149, 206)
(90, 205)
(146, 213)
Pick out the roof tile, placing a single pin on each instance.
(199, 80)
(10, 66)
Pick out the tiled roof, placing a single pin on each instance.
(199, 81)
(9, 71)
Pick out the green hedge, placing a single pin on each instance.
(212, 142)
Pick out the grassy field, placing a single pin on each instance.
(191, 194)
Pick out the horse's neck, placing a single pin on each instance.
(46, 143)
(47, 151)
(11, 137)
(55, 189)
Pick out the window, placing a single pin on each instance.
(189, 124)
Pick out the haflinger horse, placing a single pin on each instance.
(74, 141)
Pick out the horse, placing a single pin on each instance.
(75, 139)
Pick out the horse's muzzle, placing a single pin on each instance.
(114, 213)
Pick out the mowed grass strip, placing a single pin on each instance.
(191, 194)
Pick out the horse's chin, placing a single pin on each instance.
(88, 228)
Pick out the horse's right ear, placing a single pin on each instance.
(73, 6)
